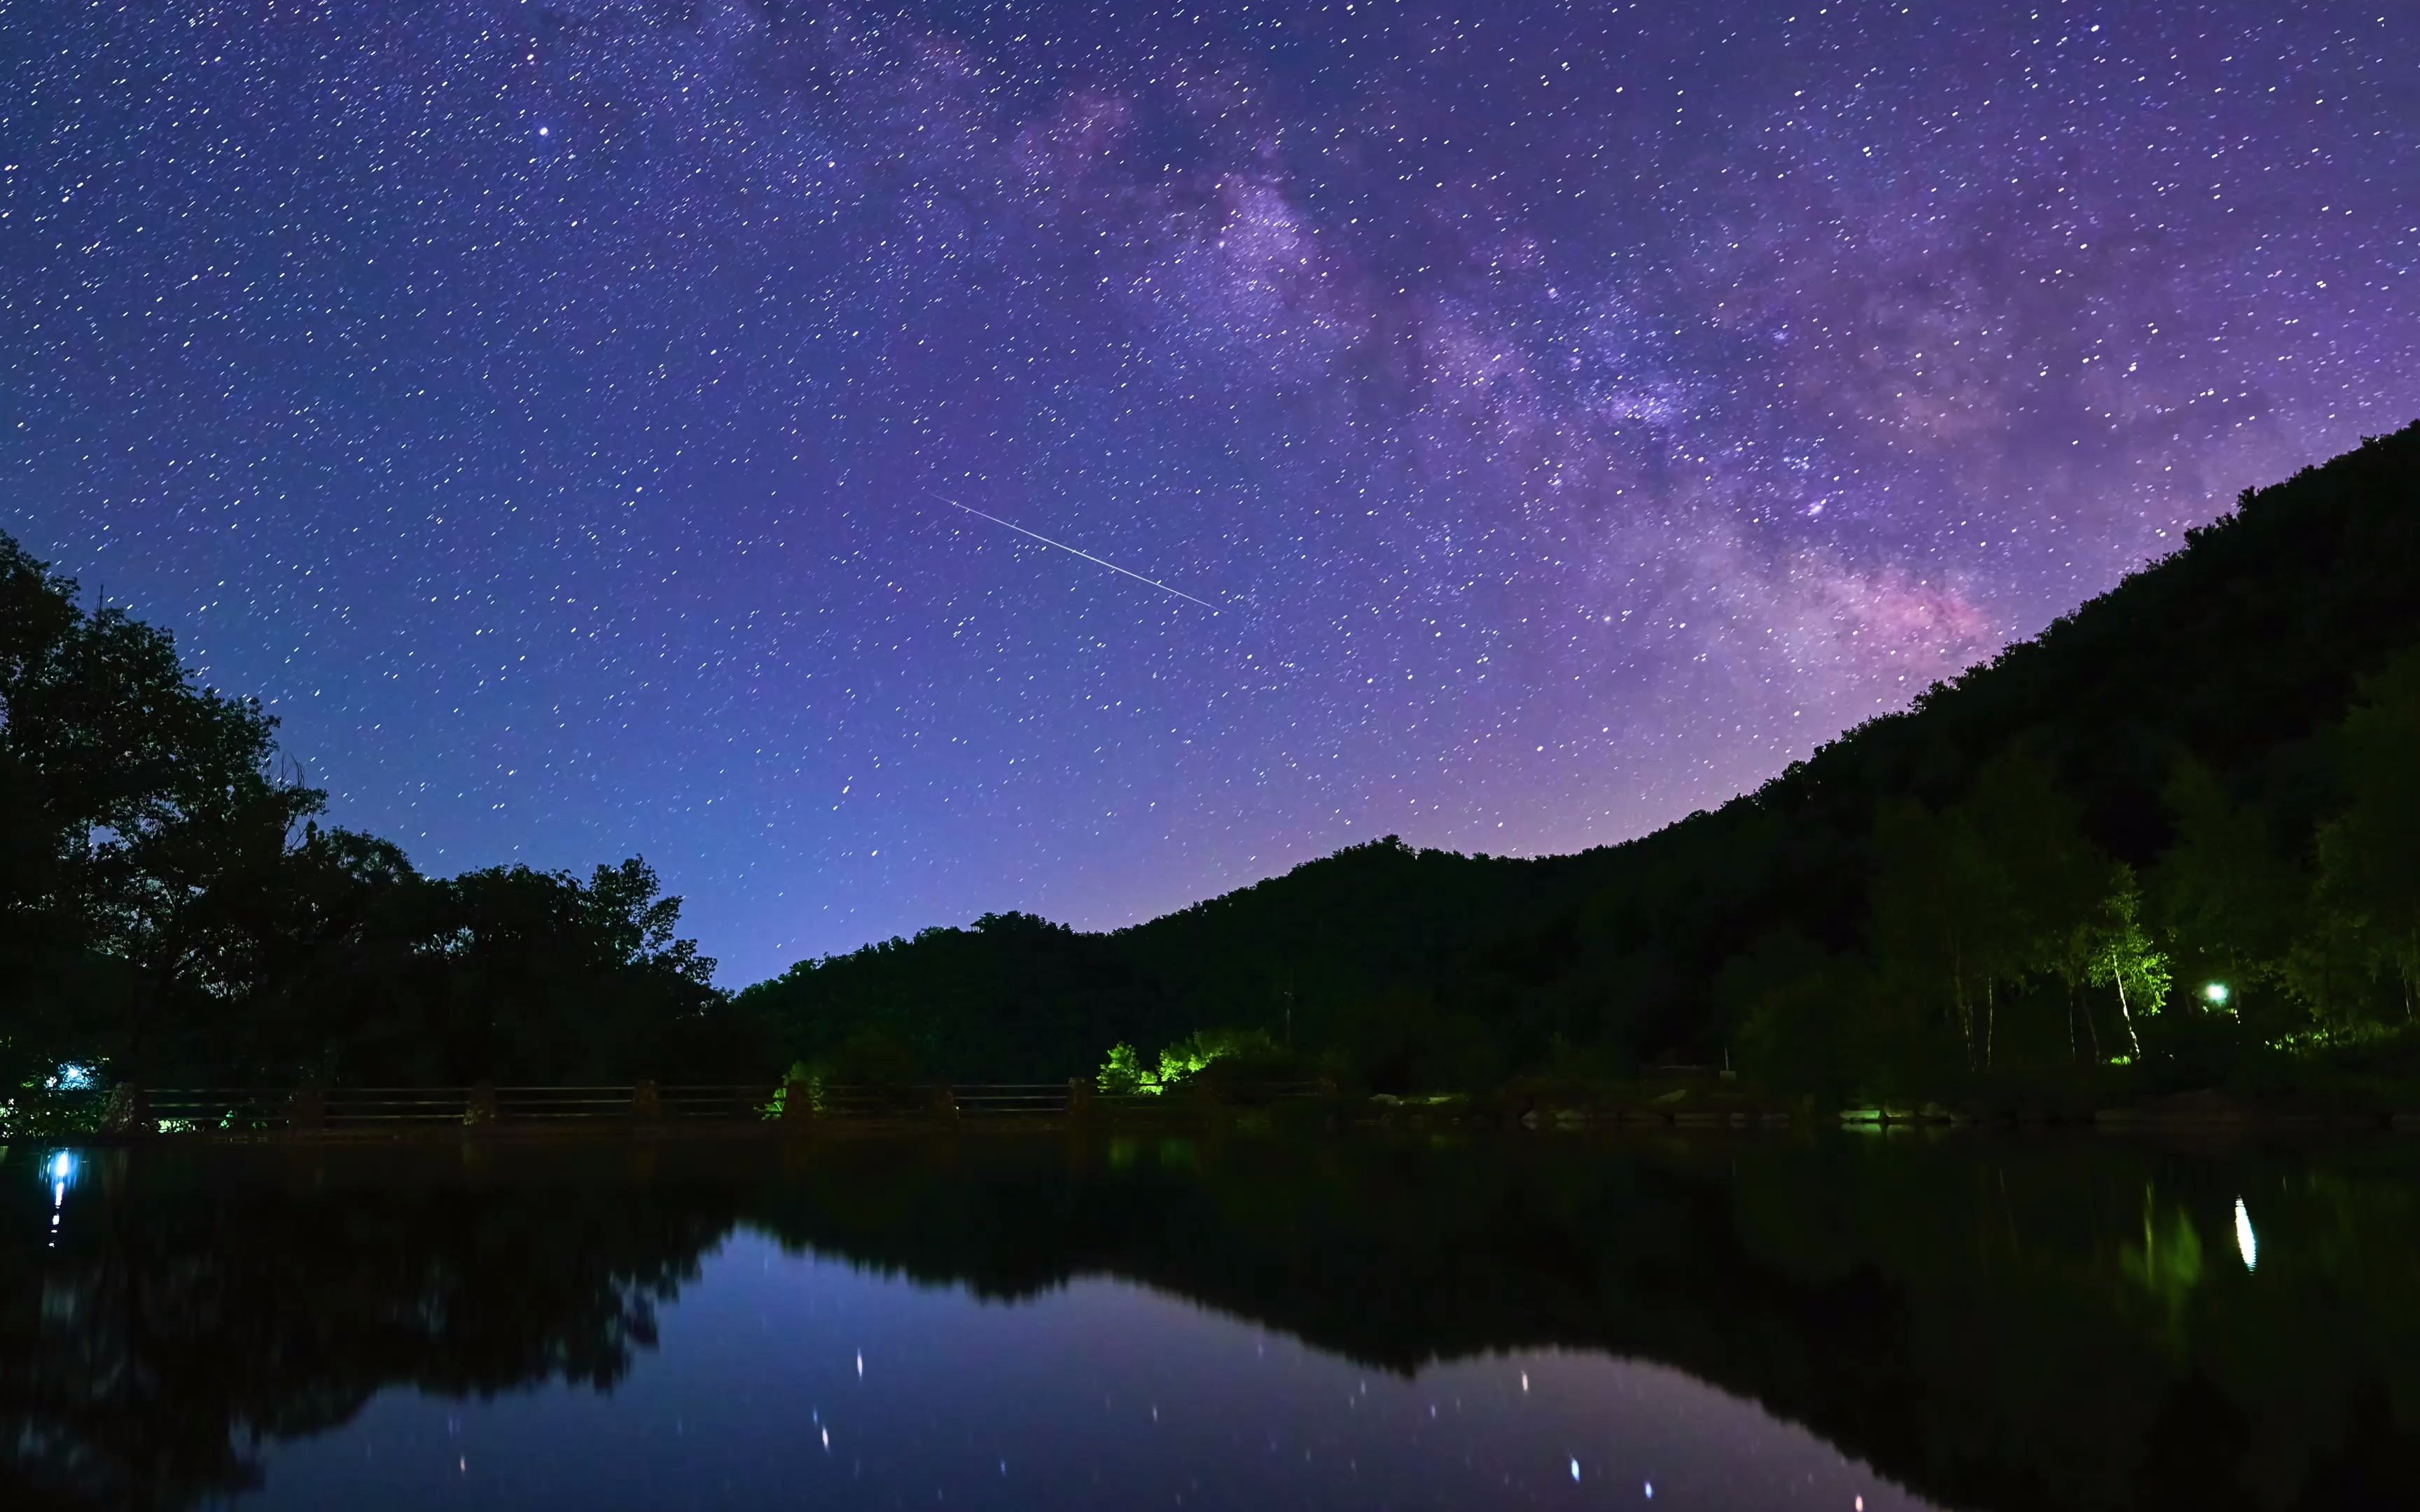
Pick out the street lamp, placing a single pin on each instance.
(2215, 993)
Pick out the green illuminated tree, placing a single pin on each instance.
(1123, 1074)
(2115, 951)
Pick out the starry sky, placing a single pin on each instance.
(1573, 412)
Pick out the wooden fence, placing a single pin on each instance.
(206, 1110)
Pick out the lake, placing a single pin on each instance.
(1139, 1320)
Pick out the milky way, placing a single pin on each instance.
(1576, 411)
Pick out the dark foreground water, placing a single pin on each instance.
(1037, 1321)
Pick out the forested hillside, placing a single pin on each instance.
(2176, 829)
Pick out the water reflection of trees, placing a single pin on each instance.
(2009, 1326)
(2064, 1325)
(190, 1311)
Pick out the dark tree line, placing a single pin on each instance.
(172, 910)
(2176, 831)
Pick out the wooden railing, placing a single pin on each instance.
(204, 1109)
(127, 1110)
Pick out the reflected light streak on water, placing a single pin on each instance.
(61, 1169)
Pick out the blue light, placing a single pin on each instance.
(62, 1166)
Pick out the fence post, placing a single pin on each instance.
(308, 1111)
(1080, 1097)
(647, 1103)
(481, 1109)
(945, 1107)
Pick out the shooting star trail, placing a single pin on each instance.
(1086, 555)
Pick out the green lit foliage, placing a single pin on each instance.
(1123, 1074)
(2115, 951)
(1123, 1071)
(1198, 1052)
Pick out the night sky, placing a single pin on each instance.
(1576, 412)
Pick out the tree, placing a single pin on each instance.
(2110, 949)
(1808, 1021)
(1979, 897)
(2231, 903)
(2052, 883)
(511, 973)
(139, 802)
(2369, 855)
(1123, 1074)
(169, 908)
(1934, 902)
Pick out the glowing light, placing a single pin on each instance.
(827, 1440)
(860, 1364)
(1576, 1469)
(2246, 1243)
(2215, 993)
(1525, 1381)
(61, 1167)
(1650, 1491)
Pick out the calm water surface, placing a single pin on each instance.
(1013, 1321)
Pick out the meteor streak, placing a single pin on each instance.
(1086, 555)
